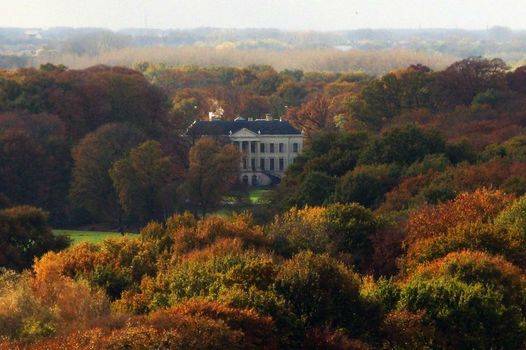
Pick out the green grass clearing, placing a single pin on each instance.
(78, 236)
(256, 196)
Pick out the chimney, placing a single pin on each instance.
(268, 117)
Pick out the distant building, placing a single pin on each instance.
(267, 146)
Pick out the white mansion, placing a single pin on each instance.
(267, 146)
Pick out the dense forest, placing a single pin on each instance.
(401, 226)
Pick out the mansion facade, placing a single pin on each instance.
(267, 146)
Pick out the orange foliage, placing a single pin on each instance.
(474, 266)
(80, 258)
(403, 195)
(493, 173)
(474, 236)
(481, 205)
(194, 325)
(198, 235)
(258, 330)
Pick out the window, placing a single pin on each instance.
(262, 147)
(253, 164)
(271, 163)
(253, 147)
(262, 164)
(281, 164)
(245, 179)
(271, 148)
(244, 163)
(295, 147)
(281, 147)
(254, 180)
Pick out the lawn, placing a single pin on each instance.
(90, 236)
(256, 196)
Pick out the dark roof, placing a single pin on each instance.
(224, 127)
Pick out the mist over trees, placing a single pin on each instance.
(373, 51)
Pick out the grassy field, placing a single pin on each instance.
(90, 236)
(78, 236)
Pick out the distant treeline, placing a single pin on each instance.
(82, 47)
(332, 60)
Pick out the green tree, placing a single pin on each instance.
(324, 292)
(366, 184)
(476, 301)
(350, 227)
(315, 189)
(403, 145)
(378, 102)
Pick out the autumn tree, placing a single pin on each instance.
(463, 80)
(213, 169)
(313, 116)
(144, 182)
(86, 99)
(34, 161)
(92, 188)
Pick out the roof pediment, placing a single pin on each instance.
(244, 132)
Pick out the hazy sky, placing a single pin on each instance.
(283, 14)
